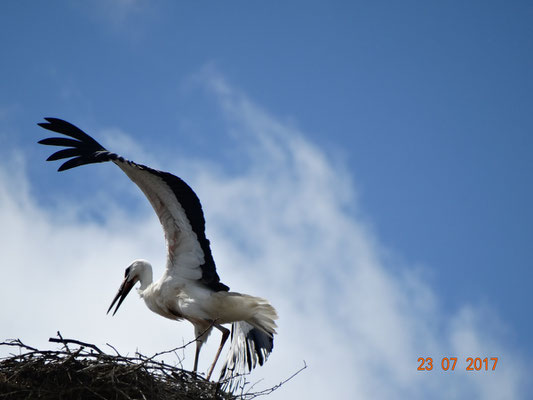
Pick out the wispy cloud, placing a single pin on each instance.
(118, 14)
(7, 110)
(286, 228)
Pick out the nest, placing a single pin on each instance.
(81, 371)
(88, 373)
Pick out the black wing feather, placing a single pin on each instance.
(76, 162)
(65, 153)
(58, 141)
(66, 128)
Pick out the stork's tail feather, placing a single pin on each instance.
(82, 149)
(250, 346)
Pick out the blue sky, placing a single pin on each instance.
(404, 127)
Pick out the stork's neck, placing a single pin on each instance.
(145, 276)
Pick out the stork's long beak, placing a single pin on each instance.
(123, 291)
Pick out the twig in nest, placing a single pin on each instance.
(275, 387)
(17, 343)
(74, 341)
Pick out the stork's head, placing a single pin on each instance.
(138, 271)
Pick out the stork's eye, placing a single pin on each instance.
(127, 272)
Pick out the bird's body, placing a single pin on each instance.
(196, 303)
(190, 287)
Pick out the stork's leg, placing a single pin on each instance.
(198, 347)
(225, 334)
(202, 331)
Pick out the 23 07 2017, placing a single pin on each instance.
(449, 363)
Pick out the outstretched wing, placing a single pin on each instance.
(175, 203)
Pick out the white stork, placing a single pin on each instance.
(190, 287)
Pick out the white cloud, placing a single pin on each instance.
(286, 229)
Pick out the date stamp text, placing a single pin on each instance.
(450, 364)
